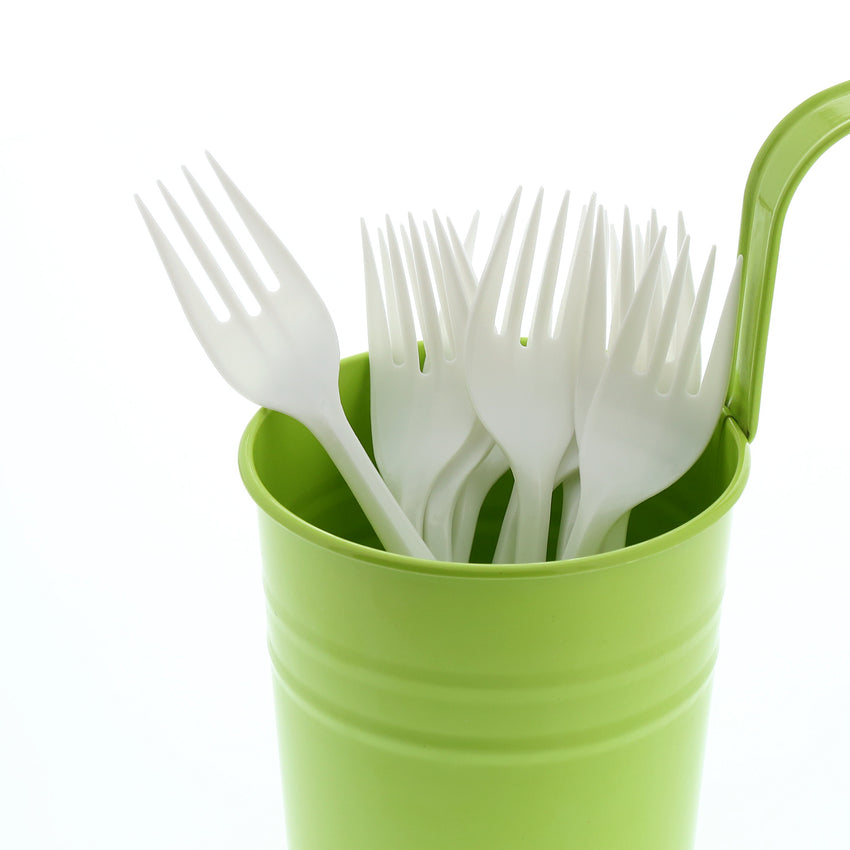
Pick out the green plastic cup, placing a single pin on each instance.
(439, 706)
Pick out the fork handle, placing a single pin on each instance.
(534, 505)
(447, 493)
(591, 530)
(391, 524)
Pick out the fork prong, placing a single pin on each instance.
(231, 245)
(199, 313)
(456, 266)
(518, 291)
(398, 282)
(667, 323)
(392, 307)
(436, 266)
(571, 310)
(467, 279)
(656, 310)
(614, 280)
(284, 266)
(716, 381)
(489, 288)
(410, 273)
(208, 262)
(627, 268)
(428, 317)
(444, 309)
(640, 249)
(593, 323)
(541, 322)
(376, 315)
(627, 344)
(690, 345)
(686, 305)
(653, 229)
(471, 234)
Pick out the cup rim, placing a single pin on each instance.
(577, 566)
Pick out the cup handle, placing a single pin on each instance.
(785, 157)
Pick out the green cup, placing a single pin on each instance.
(438, 706)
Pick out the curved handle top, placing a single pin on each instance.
(785, 157)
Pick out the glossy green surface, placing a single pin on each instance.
(433, 706)
(785, 157)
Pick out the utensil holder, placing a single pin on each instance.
(441, 706)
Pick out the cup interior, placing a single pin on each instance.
(293, 469)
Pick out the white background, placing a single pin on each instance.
(135, 692)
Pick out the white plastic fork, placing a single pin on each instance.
(522, 392)
(420, 416)
(638, 439)
(459, 491)
(583, 264)
(287, 357)
(628, 264)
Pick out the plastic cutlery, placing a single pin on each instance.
(568, 321)
(521, 392)
(420, 416)
(627, 265)
(637, 438)
(287, 357)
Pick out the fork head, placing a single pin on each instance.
(286, 357)
(434, 267)
(666, 378)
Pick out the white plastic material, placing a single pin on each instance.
(572, 306)
(645, 426)
(420, 416)
(287, 357)
(627, 263)
(523, 393)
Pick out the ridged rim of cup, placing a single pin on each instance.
(607, 560)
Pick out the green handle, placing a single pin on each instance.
(789, 152)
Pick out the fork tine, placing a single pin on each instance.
(627, 344)
(656, 310)
(518, 291)
(376, 314)
(444, 309)
(457, 304)
(690, 345)
(428, 318)
(541, 322)
(411, 272)
(392, 307)
(593, 324)
(228, 240)
(282, 263)
(209, 264)
(627, 269)
(686, 304)
(436, 267)
(614, 280)
(490, 286)
(398, 282)
(716, 381)
(667, 323)
(571, 310)
(471, 234)
(467, 277)
(640, 249)
(199, 313)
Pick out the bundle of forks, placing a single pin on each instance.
(603, 396)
